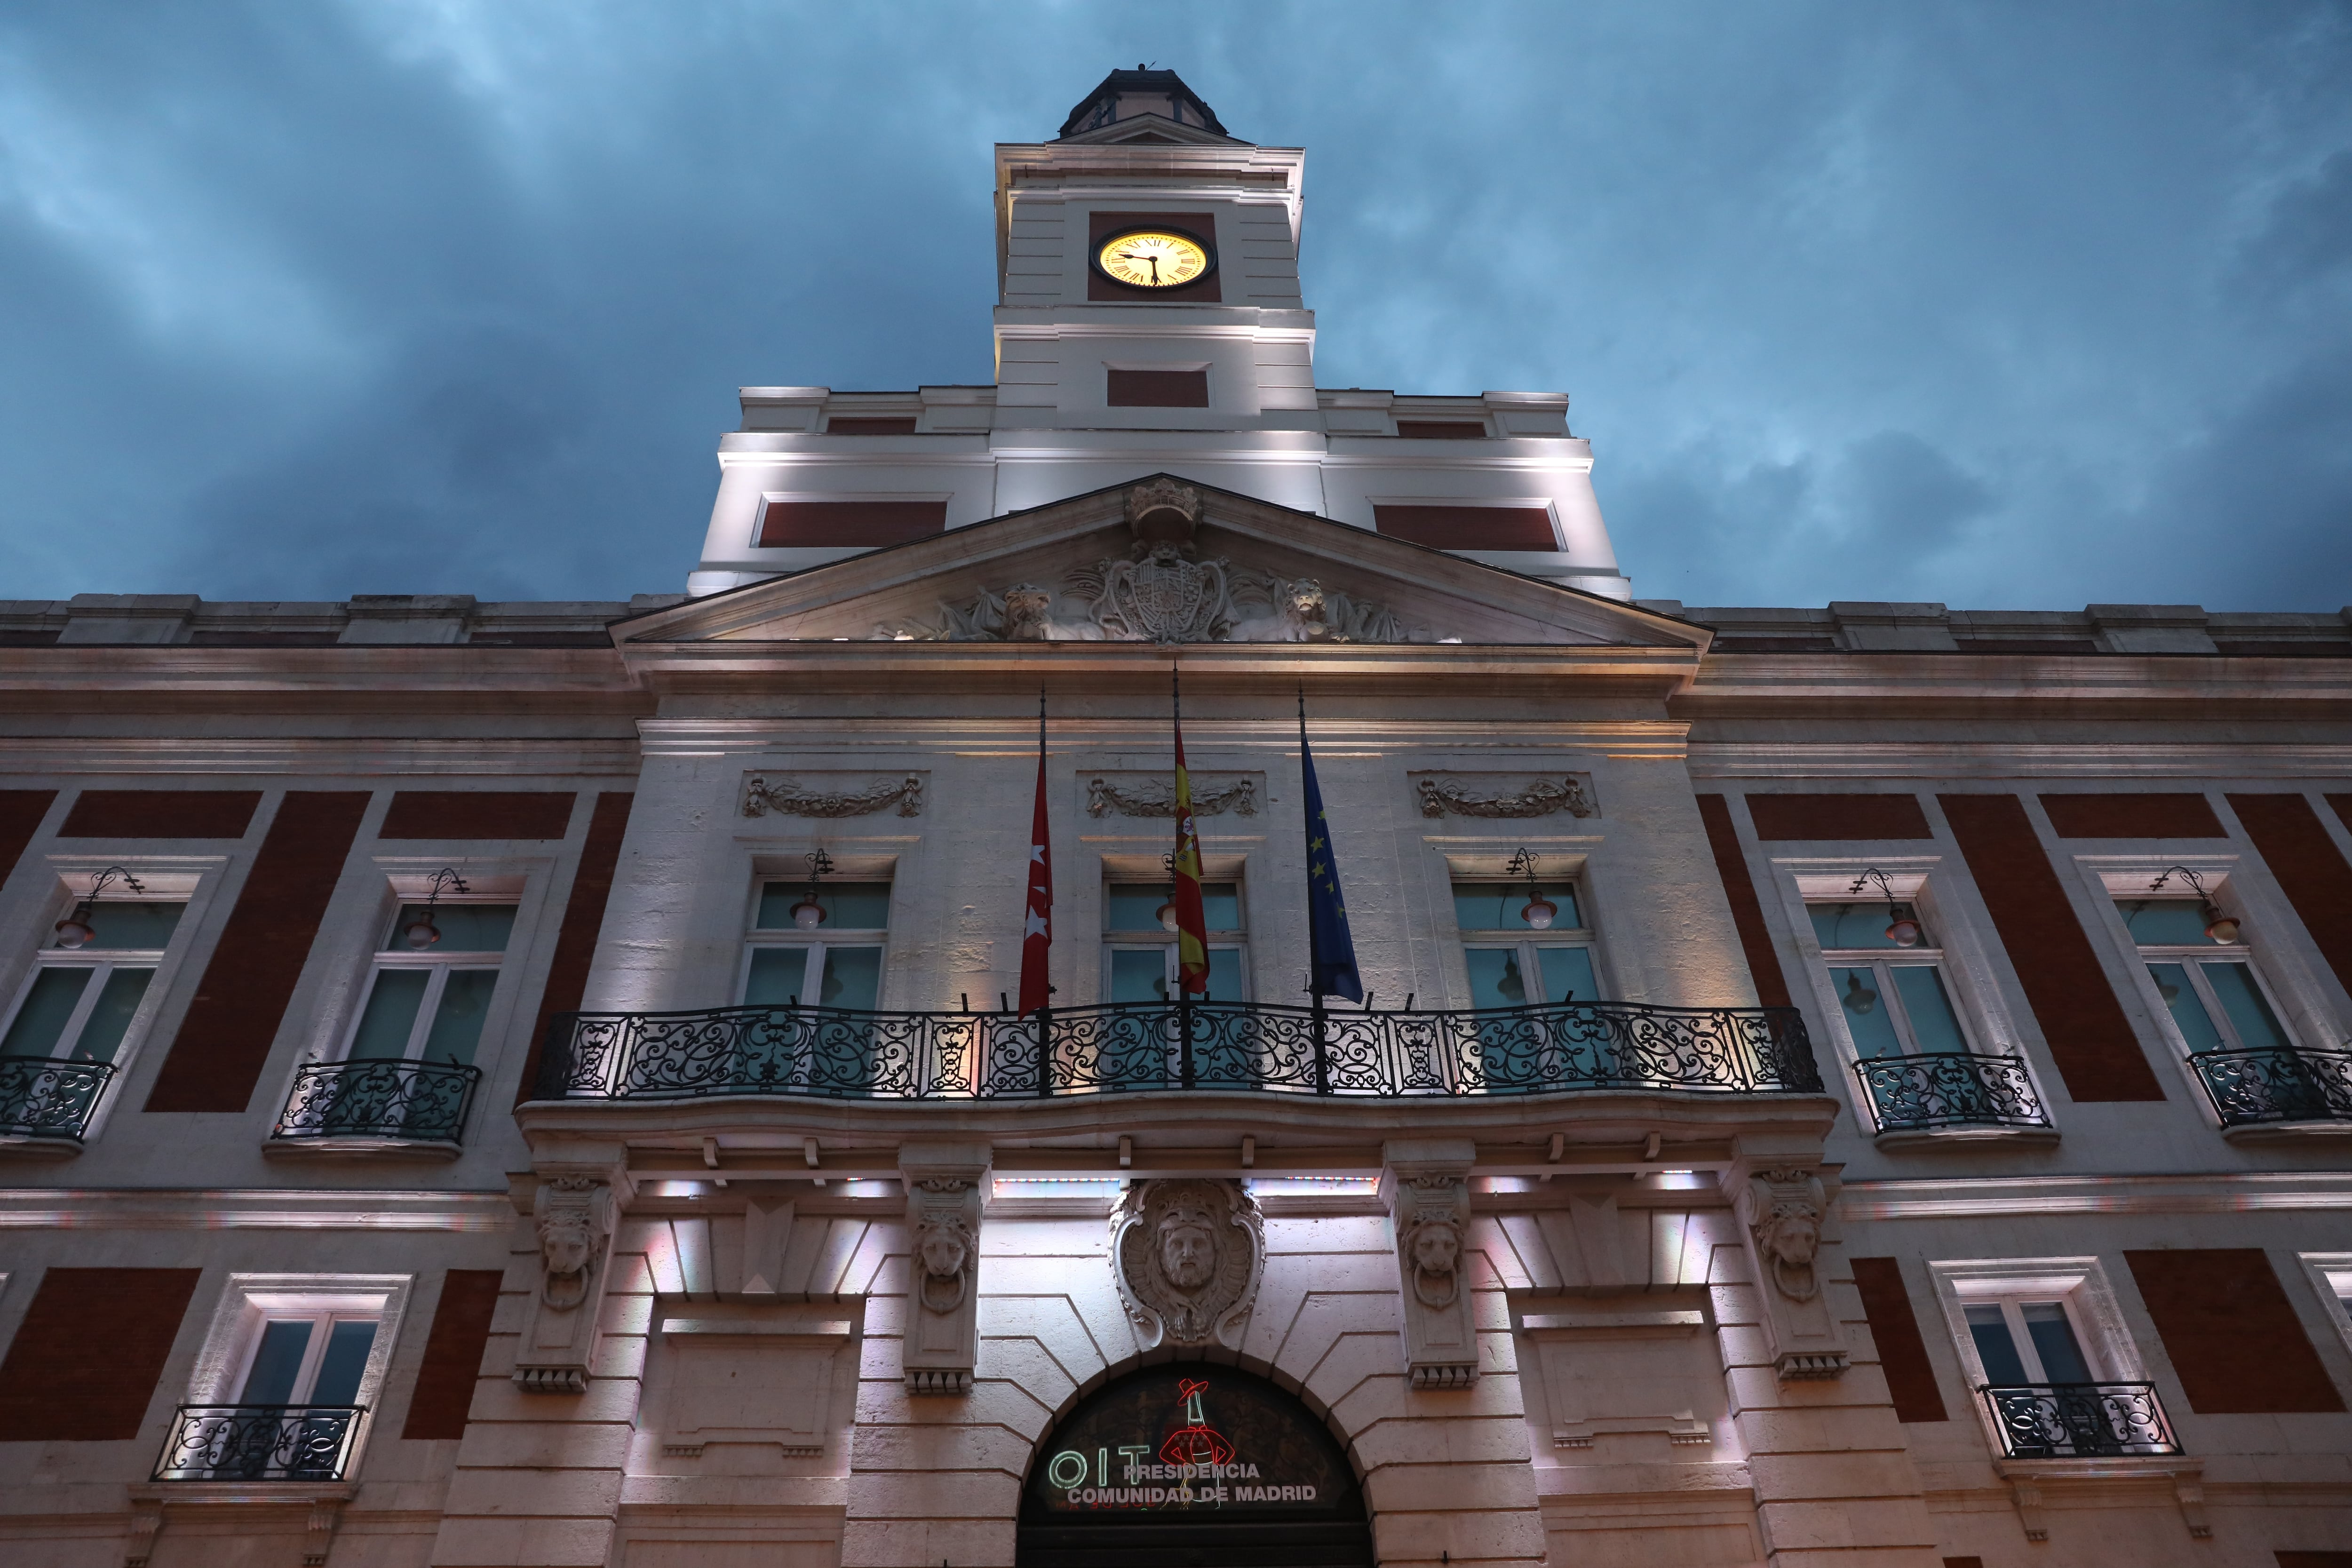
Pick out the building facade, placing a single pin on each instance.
(538, 1084)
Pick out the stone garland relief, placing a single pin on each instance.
(1154, 794)
(790, 797)
(1504, 796)
(1188, 1254)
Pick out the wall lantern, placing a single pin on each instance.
(2219, 927)
(1166, 914)
(421, 932)
(1900, 929)
(74, 930)
(1538, 911)
(808, 914)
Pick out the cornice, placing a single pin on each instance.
(1883, 685)
(327, 755)
(1532, 746)
(2001, 759)
(254, 1208)
(1970, 1197)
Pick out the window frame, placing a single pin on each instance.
(248, 1301)
(756, 937)
(1235, 940)
(2330, 1274)
(1882, 962)
(2192, 957)
(2079, 1284)
(440, 966)
(1525, 940)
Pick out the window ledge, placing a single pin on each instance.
(428, 1151)
(2288, 1132)
(325, 1501)
(1945, 1137)
(2028, 1478)
(24, 1146)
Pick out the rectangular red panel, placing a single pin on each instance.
(478, 814)
(849, 525)
(2232, 1333)
(1824, 818)
(1902, 1353)
(161, 814)
(224, 1039)
(583, 923)
(1158, 388)
(2089, 1037)
(870, 425)
(453, 1354)
(2294, 843)
(1203, 227)
(1440, 429)
(2134, 815)
(1746, 913)
(86, 1360)
(1469, 527)
(21, 811)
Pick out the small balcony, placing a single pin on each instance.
(2263, 1088)
(44, 1099)
(259, 1443)
(2079, 1420)
(1128, 1047)
(1949, 1088)
(377, 1102)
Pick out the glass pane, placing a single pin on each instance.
(1134, 906)
(277, 1363)
(1934, 1026)
(1496, 905)
(102, 1033)
(852, 977)
(1495, 977)
(848, 906)
(1139, 974)
(458, 1022)
(778, 975)
(1867, 1013)
(464, 928)
(133, 926)
(2054, 1341)
(391, 1016)
(1858, 925)
(1568, 974)
(2004, 1367)
(339, 1370)
(1221, 905)
(48, 1006)
(2155, 923)
(2242, 998)
(2188, 1012)
(1225, 976)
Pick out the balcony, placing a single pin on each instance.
(1126, 1047)
(259, 1443)
(1949, 1088)
(45, 1100)
(2079, 1420)
(2254, 1089)
(374, 1100)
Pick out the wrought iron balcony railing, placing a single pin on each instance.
(2279, 1084)
(1949, 1088)
(829, 1053)
(41, 1097)
(259, 1443)
(423, 1102)
(2064, 1420)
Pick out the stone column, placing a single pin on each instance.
(946, 1185)
(1426, 1186)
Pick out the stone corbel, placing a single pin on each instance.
(572, 1215)
(146, 1518)
(945, 1185)
(1426, 1184)
(2031, 1479)
(1782, 1199)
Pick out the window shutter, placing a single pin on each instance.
(1902, 1353)
(583, 923)
(2310, 869)
(84, 1361)
(2231, 1332)
(1746, 913)
(2097, 1054)
(453, 1354)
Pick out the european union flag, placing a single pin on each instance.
(1331, 950)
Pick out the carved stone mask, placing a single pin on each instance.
(944, 1253)
(1436, 1249)
(1188, 1249)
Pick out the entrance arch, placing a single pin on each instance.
(1190, 1465)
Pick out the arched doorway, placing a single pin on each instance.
(1191, 1466)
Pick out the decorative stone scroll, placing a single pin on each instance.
(941, 1346)
(1188, 1254)
(1442, 794)
(1153, 794)
(571, 1216)
(1782, 1208)
(788, 798)
(1427, 1186)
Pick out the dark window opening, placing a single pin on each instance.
(851, 524)
(874, 424)
(1469, 527)
(1440, 429)
(1158, 388)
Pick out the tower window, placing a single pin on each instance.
(1469, 527)
(1158, 388)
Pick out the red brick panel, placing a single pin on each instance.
(849, 525)
(2231, 1332)
(1902, 1354)
(584, 922)
(1156, 388)
(161, 814)
(21, 811)
(2313, 1559)
(1824, 818)
(1441, 429)
(2310, 869)
(2089, 1038)
(870, 425)
(478, 814)
(1746, 913)
(453, 1354)
(1469, 527)
(225, 1040)
(86, 1360)
(1205, 289)
(2136, 815)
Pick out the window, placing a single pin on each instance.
(2044, 1349)
(1509, 964)
(79, 1002)
(428, 1005)
(1892, 998)
(1140, 942)
(2025, 1341)
(835, 962)
(2216, 999)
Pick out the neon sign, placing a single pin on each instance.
(1190, 1440)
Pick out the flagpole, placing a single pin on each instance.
(1321, 1019)
(1046, 1009)
(1183, 820)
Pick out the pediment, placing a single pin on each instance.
(1149, 128)
(1162, 561)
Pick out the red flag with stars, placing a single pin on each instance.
(1037, 924)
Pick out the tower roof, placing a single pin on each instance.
(1126, 94)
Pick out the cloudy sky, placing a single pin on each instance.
(2006, 305)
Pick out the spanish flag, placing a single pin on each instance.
(1191, 923)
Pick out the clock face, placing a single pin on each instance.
(1153, 258)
